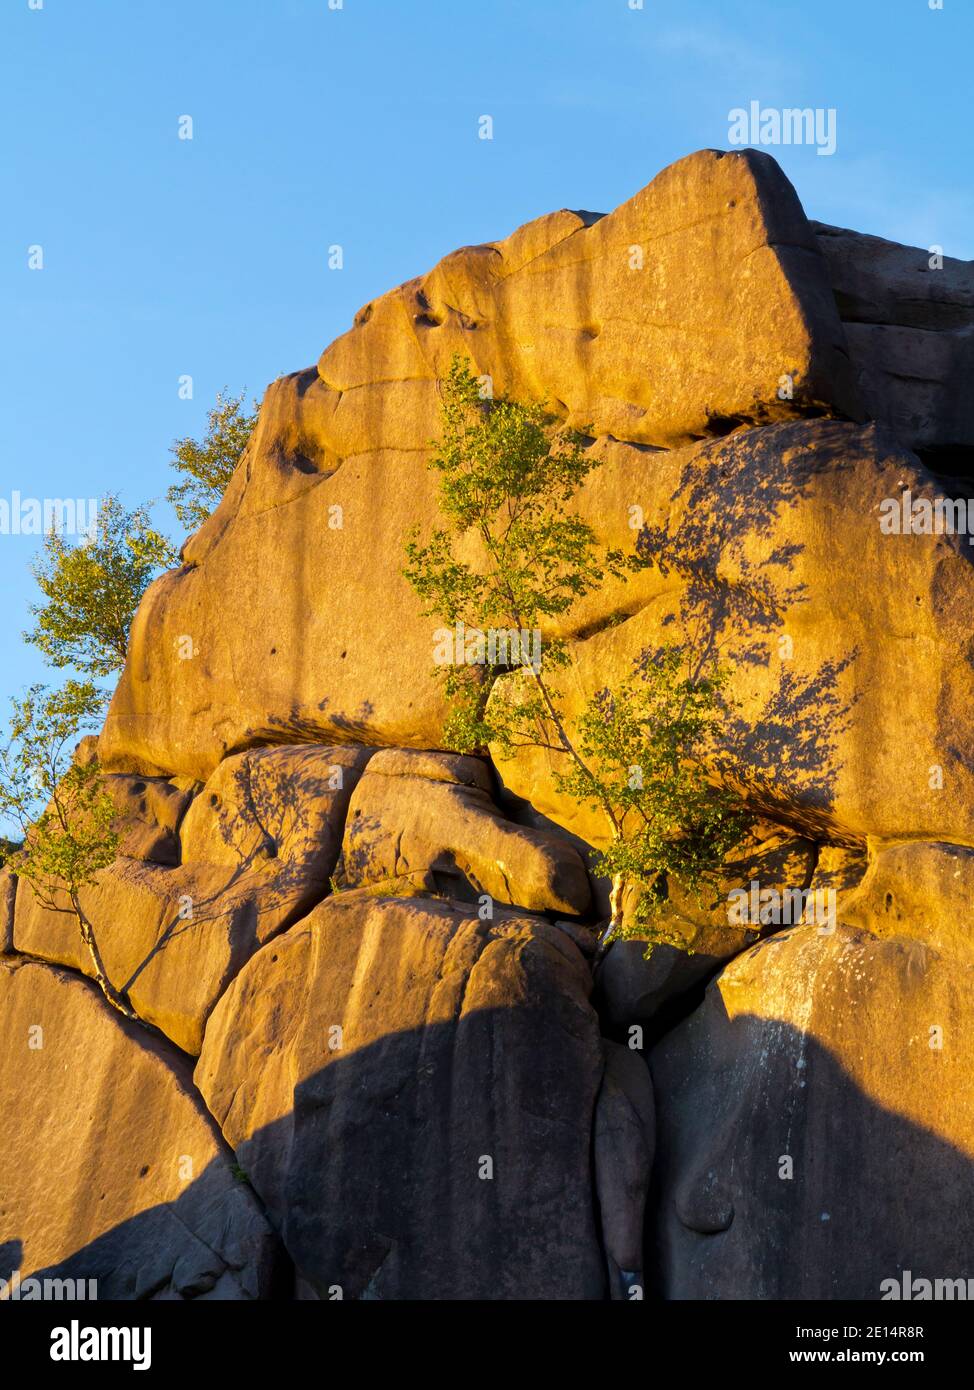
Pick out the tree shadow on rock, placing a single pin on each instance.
(732, 550)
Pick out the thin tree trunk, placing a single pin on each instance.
(112, 995)
(616, 895)
(615, 904)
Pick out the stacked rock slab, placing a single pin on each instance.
(908, 316)
(427, 822)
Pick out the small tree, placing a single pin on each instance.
(644, 745)
(61, 806)
(93, 589)
(507, 480)
(516, 556)
(207, 465)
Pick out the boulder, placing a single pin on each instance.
(909, 326)
(634, 988)
(110, 1169)
(816, 1112)
(258, 846)
(282, 807)
(411, 1092)
(716, 252)
(409, 831)
(850, 701)
(676, 317)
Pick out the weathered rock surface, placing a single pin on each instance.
(909, 326)
(816, 1113)
(421, 1098)
(149, 809)
(258, 846)
(731, 296)
(408, 830)
(625, 1135)
(282, 807)
(110, 1168)
(632, 989)
(466, 1048)
(849, 695)
(717, 244)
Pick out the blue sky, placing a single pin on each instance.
(359, 126)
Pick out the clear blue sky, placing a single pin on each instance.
(358, 126)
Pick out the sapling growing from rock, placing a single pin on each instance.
(644, 746)
(92, 590)
(513, 556)
(60, 804)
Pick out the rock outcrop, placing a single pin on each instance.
(258, 845)
(431, 1079)
(737, 300)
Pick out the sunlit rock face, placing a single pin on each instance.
(385, 956)
(849, 645)
(674, 318)
(255, 851)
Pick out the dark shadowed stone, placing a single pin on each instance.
(467, 1048)
(625, 1135)
(909, 325)
(816, 1112)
